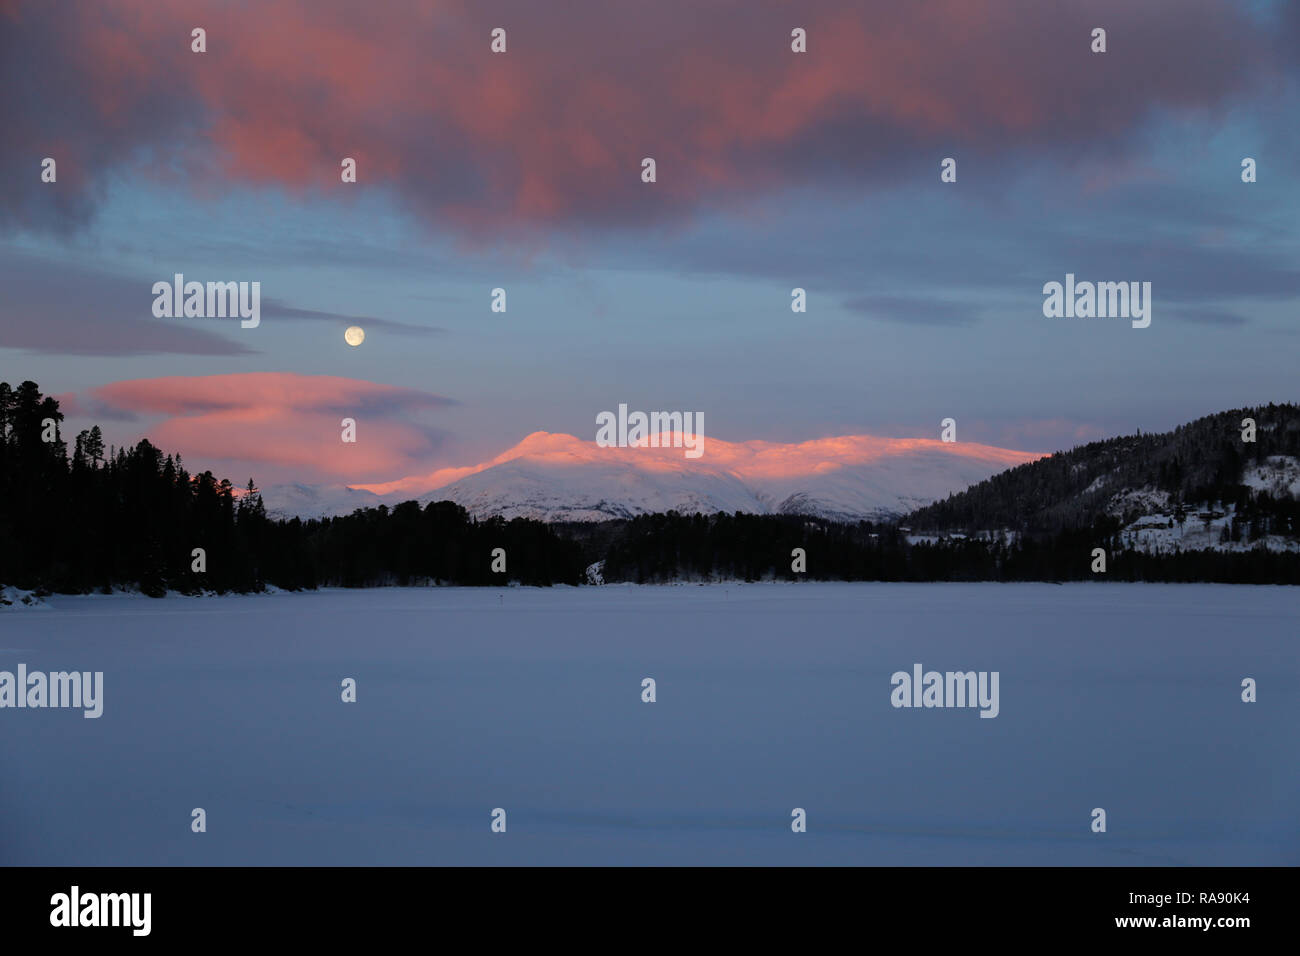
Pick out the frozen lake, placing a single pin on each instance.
(769, 697)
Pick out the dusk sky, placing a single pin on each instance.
(522, 170)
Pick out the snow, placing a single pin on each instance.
(1097, 484)
(1162, 533)
(16, 599)
(556, 477)
(1279, 475)
(593, 492)
(1158, 531)
(1146, 500)
(770, 697)
(315, 501)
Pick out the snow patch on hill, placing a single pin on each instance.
(1206, 525)
(16, 599)
(1199, 531)
(1279, 475)
(1144, 500)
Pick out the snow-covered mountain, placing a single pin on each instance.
(312, 501)
(557, 477)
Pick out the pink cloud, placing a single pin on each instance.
(554, 130)
(286, 423)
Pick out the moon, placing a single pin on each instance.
(354, 336)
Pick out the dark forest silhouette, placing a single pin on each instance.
(132, 517)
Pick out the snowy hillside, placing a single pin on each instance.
(1279, 475)
(1257, 509)
(1164, 528)
(1227, 482)
(556, 477)
(1163, 533)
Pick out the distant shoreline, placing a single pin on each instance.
(16, 604)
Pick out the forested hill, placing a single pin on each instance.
(1204, 463)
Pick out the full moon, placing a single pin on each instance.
(354, 336)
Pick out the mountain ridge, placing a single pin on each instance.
(556, 477)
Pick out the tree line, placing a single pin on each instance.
(671, 547)
(96, 519)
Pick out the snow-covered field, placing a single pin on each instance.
(769, 697)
